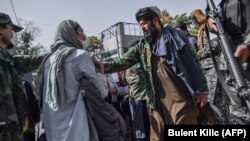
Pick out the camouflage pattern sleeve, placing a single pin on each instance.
(20, 100)
(12, 93)
(131, 57)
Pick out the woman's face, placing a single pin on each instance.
(80, 34)
(82, 38)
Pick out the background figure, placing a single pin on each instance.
(192, 42)
(163, 55)
(116, 92)
(113, 90)
(192, 39)
(199, 19)
(58, 85)
(122, 84)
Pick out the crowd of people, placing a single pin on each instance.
(167, 78)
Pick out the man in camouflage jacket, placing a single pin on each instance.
(173, 79)
(13, 99)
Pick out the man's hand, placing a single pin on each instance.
(99, 65)
(212, 25)
(242, 53)
(202, 98)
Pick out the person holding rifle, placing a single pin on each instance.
(233, 19)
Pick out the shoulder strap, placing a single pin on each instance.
(231, 95)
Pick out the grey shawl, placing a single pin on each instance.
(65, 42)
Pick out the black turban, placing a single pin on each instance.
(147, 13)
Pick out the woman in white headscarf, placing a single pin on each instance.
(64, 113)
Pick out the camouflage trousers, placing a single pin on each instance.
(226, 111)
(10, 132)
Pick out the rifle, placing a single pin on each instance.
(227, 47)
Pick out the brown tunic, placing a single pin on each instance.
(175, 104)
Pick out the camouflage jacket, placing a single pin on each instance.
(141, 53)
(136, 80)
(13, 99)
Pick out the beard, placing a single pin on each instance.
(151, 34)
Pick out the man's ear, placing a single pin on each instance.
(1, 31)
(155, 19)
